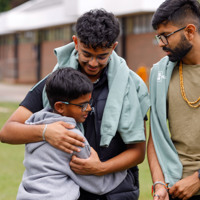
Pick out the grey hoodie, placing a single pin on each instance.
(48, 174)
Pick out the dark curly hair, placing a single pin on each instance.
(98, 28)
(178, 12)
(67, 84)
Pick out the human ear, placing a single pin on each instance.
(59, 107)
(115, 45)
(190, 31)
(75, 39)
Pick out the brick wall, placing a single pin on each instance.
(48, 60)
(142, 50)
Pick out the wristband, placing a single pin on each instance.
(161, 183)
(43, 133)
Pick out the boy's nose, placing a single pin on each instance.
(88, 108)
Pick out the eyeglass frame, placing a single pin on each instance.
(90, 58)
(158, 37)
(83, 106)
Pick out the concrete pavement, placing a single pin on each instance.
(13, 92)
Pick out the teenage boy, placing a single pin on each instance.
(47, 175)
(115, 128)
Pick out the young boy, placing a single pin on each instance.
(47, 175)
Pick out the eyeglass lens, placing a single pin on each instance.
(161, 38)
(85, 105)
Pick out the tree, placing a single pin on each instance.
(6, 5)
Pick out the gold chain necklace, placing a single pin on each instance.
(191, 104)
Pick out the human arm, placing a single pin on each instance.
(100, 184)
(16, 132)
(156, 171)
(92, 183)
(133, 156)
(186, 188)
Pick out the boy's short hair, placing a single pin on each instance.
(98, 28)
(67, 84)
(178, 12)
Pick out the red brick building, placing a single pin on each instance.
(26, 46)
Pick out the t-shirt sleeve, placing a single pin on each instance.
(33, 100)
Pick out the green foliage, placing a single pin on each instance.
(5, 5)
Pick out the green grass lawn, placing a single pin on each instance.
(11, 164)
(11, 158)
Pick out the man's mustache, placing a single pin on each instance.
(167, 49)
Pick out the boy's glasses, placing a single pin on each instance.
(164, 38)
(83, 106)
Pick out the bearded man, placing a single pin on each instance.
(173, 146)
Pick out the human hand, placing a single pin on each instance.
(160, 193)
(186, 188)
(91, 165)
(58, 135)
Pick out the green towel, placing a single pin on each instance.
(127, 102)
(166, 152)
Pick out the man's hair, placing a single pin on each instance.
(98, 28)
(178, 12)
(67, 84)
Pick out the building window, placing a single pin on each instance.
(138, 24)
(27, 37)
(59, 33)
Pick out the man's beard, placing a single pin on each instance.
(182, 48)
